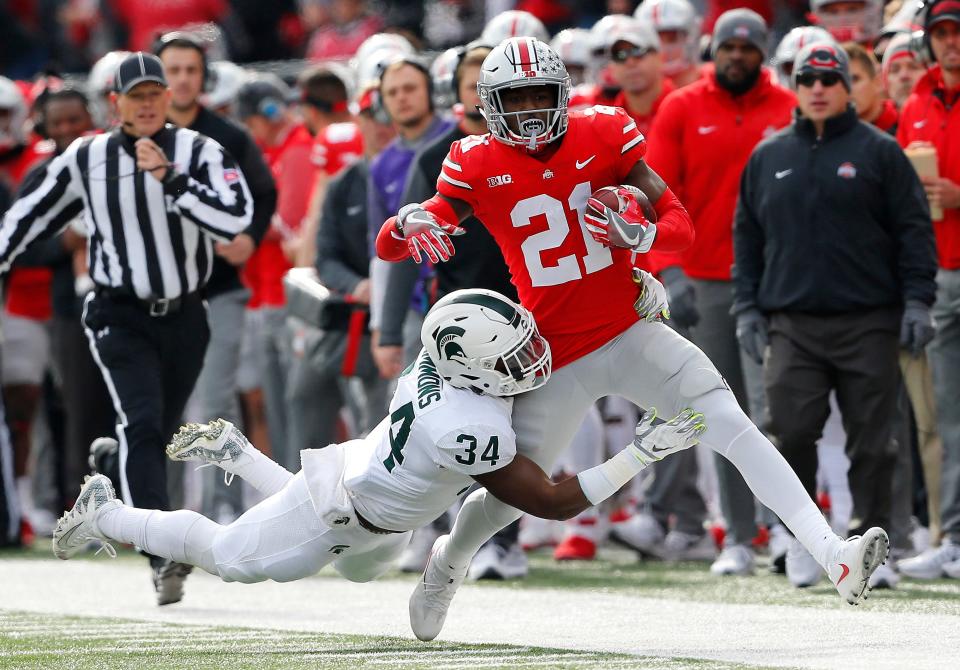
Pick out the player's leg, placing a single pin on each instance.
(544, 420)
(365, 566)
(222, 444)
(652, 365)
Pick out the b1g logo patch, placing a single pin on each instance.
(499, 180)
(847, 170)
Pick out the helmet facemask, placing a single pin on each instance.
(521, 62)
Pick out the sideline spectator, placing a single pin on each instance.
(840, 281)
(700, 141)
(931, 117)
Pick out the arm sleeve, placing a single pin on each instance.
(263, 190)
(46, 206)
(909, 223)
(476, 449)
(748, 243)
(222, 207)
(454, 180)
(331, 246)
(627, 142)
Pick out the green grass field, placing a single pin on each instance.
(40, 635)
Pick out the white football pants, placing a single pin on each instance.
(652, 366)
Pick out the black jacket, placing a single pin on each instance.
(238, 143)
(343, 249)
(831, 225)
(478, 262)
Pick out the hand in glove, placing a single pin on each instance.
(681, 296)
(752, 333)
(625, 227)
(652, 303)
(425, 233)
(656, 438)
(916, 327)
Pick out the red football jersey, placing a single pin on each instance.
(579, 291)
(336, 147)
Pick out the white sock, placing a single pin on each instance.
(262, 473)
(182, 536)
(480, 517)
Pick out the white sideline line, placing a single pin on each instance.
(769, 635)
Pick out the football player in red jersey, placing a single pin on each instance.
(530, 182)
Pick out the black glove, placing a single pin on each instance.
(752, 333)
(681, 296)
(916, 327)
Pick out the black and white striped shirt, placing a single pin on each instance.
(152, 239)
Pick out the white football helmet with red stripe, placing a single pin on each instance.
(674, 16)
(790, 46)
(513, 23)
(515, 63)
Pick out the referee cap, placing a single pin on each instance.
(137, 68)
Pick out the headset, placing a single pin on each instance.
(920, 40)
(183, 40)
(415, 63)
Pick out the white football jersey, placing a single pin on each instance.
(412, 467)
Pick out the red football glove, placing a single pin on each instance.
(426, 233)
(626, 227)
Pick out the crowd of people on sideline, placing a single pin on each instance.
(820, 165)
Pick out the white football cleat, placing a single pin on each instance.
(217, 443)
(433, 594)
(932, 563)
(856, 561)
(642, 533)
(884, 577)
(78, 527)
(495, 561)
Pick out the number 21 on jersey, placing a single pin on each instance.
(567, 268)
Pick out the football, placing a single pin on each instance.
(610, 197)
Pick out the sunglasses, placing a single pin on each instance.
(828, 79)
(623, 54)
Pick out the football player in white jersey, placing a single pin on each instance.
(355, 504)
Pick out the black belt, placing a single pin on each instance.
(158, 307)
(366, 525)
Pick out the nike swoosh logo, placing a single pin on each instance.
(66, 536)
(584, 164)
(390, 188)
(920, 124)
(705, 130)
(846, 571)
(780, 174)
(656, 448)
(353, 211)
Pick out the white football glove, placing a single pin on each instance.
(654, 441)
(426, 234)
(652, 304)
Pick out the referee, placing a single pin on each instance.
(153, 199)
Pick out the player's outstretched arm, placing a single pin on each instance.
(524, 485)
(423, 230)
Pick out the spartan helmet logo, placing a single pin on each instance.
(447, 344)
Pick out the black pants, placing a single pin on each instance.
(150, 365)
(857, 355)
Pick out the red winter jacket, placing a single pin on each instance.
(932, 114)
(700, 141)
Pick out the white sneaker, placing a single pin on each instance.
(414, 558)
(216, 443)
(433, 594)
(952, 569)
(930, 564)
(78, 527)
(42, 521)
(536, 532)
(680, 546)
(884, 577)
(780, 541)
(642, 533)
(802, 568)
(737, 559)
(856, 561)
(496, 562)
